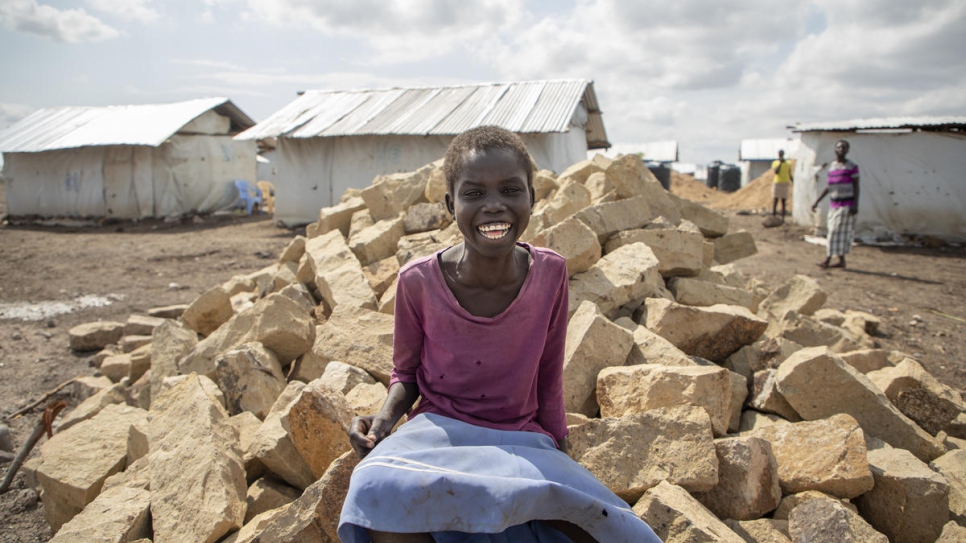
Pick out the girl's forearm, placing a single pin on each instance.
(401, 398)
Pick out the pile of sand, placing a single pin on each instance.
(689, 188)
(753, 196)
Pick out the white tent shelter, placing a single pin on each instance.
(912, 174)
(155, 160)
(330, 141)
(755, 156)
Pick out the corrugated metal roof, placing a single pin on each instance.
(524, 107)
(472, 111)
(357, 118)
(659, 151)
(392, 119)
(885, 123)
(151, 124)
(767, 149)
(515, 105)
(555, 107)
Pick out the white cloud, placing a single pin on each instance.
(398, 31)
(205, 63)
(712, 72)
(188, 92)
(11, 113)
(69, 25)
(238, 78)
(665, 70)
(129, 10)
(682, 45)
(882, 58)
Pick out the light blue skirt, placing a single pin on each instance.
(468, 484)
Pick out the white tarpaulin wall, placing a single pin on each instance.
(909, 183)
(185, 174)
(313, 173)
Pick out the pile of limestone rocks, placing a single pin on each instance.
(719, 410)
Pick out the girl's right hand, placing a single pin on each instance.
(366, 431)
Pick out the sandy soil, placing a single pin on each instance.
(154, 264)
(136, 267)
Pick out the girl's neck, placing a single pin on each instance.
(473, 270)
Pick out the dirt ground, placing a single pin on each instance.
(136, 267)
(916, 292)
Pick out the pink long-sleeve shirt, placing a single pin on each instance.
(503, 372)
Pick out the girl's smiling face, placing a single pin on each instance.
(491, 200)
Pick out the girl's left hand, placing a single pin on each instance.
(359, 435)
(367, 431)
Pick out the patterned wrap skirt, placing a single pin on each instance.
(467, 484)
(841, 231)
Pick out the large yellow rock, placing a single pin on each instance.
(747, 486)
(573, 240)
(633, 389)
(819, 384)
(909, 502)
(208, 311)
(75, 463)
(593, 343)
(634, 453)
(714, 332)
(827, 455)
(337, 272)
(197, 475)
(624, 277)
(675, 515)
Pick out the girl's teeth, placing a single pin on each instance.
(494, 231)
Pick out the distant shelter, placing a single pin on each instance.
(129, 162)
(664, 152)
(330, 141)
(912, 174)
(756, 156)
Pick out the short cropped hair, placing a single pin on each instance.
(484, 138)
(848, 145)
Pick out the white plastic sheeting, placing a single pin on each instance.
(313, 173)
(912, 183)
(186, 174)
(266, 166)
(557, 151)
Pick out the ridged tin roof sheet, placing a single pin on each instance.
(392, 119)
(554, 107)
(150, 124)
(325, 113)
(354, 120)
(515, 106)
(884, 123)
(524, 107)
(471, 112)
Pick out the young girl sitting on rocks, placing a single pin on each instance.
(479, 339)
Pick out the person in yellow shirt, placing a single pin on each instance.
(782, 182)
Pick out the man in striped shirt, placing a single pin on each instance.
(843, 187)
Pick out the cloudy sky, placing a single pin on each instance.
(707, 73)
